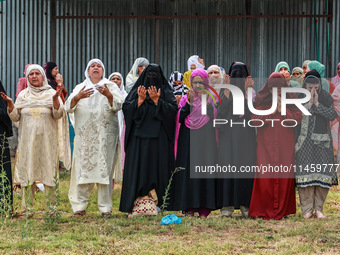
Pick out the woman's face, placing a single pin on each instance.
(197, 83)
(192, 66)
(214, 73)
(96, 71)
(296, 74)
(283, 70)
(178, 83)
(310, 87)
(116, 79)
(140, 69)
(201, 61)
(36, 78)
(305, 68)
(55, 71)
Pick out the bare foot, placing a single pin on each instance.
(319, 215)
(307, 215)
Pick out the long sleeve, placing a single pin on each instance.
(326, 112)
(185, 111)
(15, 115)
(57, 114)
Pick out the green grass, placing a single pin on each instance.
(93, 234)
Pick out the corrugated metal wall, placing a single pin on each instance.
(25, 35)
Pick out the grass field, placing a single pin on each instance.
(93, 234)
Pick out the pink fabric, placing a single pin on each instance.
(336, 79)
(195, 120)
(22, 84)
(335, 123)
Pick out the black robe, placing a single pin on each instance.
(237, 147)
(196, 147)
(149, 140)
(5, 132)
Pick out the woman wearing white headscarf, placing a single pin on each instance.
(37, 109)
(135, 72)
(117, 78)
(95, 103)
(194, 62)
(215, 76)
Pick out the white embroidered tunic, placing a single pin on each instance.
(96, 135)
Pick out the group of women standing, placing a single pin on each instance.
(158, 126)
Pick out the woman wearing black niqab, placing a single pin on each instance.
(149, 111)
(5, 132)
(237, 147)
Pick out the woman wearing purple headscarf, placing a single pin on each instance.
(196, 144)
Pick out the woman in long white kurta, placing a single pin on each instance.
(37, 109)
(95, 104)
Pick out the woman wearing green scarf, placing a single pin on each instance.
(283, 68)
(320, 68)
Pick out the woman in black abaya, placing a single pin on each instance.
(149, 111)
(6, 194)
(237, 146)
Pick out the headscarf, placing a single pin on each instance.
(264, 96)
(238, 73)
(149, 126)
(22, 83)
(336, 79)
(320, 68)
(132, 76)
(281, 64)
(299, 78)
(320, 125)
(194, 60)
(195, 119)
(35, 96)
(88, 83)
(305, 63)
(123, 94)
(48, 67)
(5, 121)
(215, 78)
(178, 89)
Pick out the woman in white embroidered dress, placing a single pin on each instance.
(95, 103)
(37, 109)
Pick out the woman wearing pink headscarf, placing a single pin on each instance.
(336, 79)
(196, 144)
(335, 124)
(22, 83)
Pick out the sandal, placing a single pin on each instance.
(78, 213)
(106, 214)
